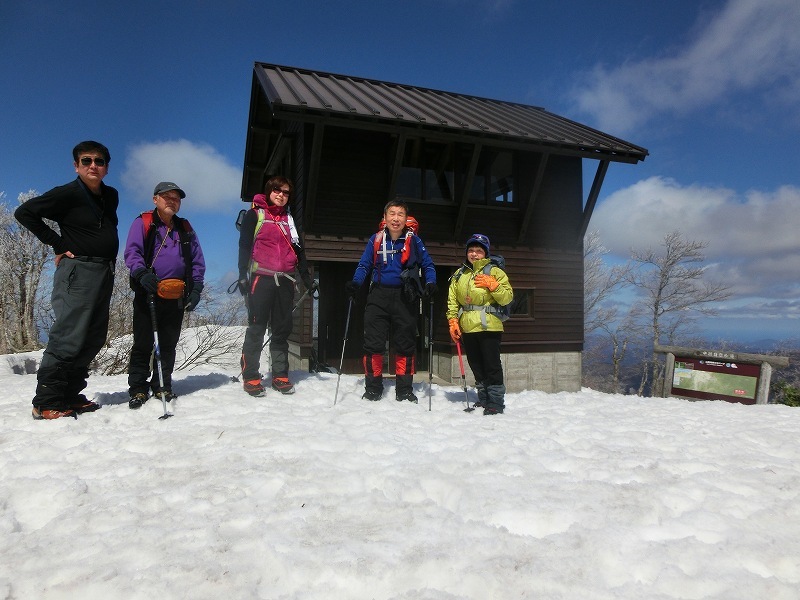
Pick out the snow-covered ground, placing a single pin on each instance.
(566, 496)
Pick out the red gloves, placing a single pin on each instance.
(486, 281)
(455, 330)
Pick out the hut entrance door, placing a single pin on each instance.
(332, 318)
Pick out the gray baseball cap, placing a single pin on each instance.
(166, 186)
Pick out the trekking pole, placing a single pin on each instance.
(344, 343)
(430, 356)
(294, 308)
(463, 377)
(157, 355)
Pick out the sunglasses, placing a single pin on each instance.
(279, 190)
(87, 160)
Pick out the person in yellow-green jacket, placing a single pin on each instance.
(475, 293)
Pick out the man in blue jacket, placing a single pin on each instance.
(391, 261)
(85, 248)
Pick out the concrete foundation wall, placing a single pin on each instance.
(295, 362)
(546, 372)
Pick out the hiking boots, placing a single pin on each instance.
(492, 411)
(408, 395)
(168, 395)
(372, 395)
(41, 414)
(254, 388)
(282, 385)
(137, 400)
(81, 404)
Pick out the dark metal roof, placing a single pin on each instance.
(314, 93)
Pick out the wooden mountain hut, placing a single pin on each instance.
(463, 164)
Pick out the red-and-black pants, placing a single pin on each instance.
(388, 315)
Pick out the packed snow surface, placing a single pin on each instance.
(566, 496)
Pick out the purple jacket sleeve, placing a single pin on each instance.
(134, 247)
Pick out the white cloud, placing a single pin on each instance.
(754, 245)
(749, 47)
(206, 176)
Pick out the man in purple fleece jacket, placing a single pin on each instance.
(160, 246)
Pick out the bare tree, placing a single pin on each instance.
(121, 318)
(599, 283)
(620, 337)
(216, 336)
(600, 317)
(114, 357)
(673, 291)
(23, 259)
(785, 384)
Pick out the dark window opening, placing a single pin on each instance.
(427, 171)
(493, 184)
(437, 172)
(523, 303)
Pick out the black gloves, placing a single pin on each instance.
(147, 279)
(351, 287)
(194, 297)
(243, 285)
(311, 285)
(430, 290)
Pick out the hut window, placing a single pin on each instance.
(523, 303)
(427, 171)
(493, 182)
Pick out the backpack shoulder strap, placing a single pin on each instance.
(185, 235)
(457, 275)
(185, 225)
(148, 237)
(147, 221)
(377, 244)
(410, 254)
(260, 214)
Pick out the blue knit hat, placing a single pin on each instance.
(480, 240)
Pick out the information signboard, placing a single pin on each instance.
(706, 379)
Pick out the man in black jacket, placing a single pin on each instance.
(85, 250)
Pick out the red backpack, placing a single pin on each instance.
(412, 227)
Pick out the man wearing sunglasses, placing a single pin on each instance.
(85, 248)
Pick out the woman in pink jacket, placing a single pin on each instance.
(270, 258)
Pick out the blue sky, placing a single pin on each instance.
(709, 87)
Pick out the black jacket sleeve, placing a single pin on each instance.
(31, 215)
(247, 232)
(302, 265)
